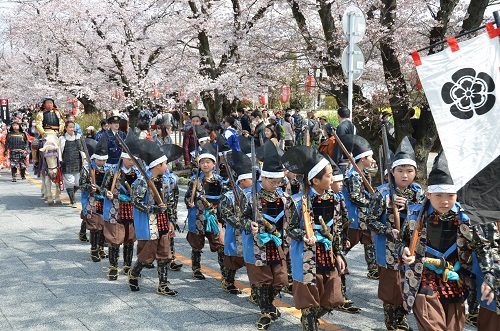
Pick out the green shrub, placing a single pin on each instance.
(87, 120)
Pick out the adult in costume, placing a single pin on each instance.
(17, 145)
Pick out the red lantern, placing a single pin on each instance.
(156, 93)
(284, 93)
(116, 95)
(310, 83)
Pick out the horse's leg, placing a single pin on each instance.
(48, 190)
(44, 188)
(58, 195)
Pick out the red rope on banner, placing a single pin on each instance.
(492, 32)
(452, 41)
(416, 58)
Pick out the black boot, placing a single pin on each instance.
(308, 319)
(371, 261)
(262, 296)
(23, 173)
(322, 311)
(94, 241)
(471, 317)
(253, 297)
(114, 252)
(273, 310)
(133, 276)
(228, 281)
(391, 316)
(196, 264)
(82, 235)
(128, 252)
(174, 265)
(71, 196)
(163, 279)
(14, 174)
(220, 258)
(102, 252)
(402, 321)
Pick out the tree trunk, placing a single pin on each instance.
(88, 104)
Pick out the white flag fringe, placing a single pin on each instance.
(462, 85)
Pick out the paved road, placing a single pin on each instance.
(49, 283)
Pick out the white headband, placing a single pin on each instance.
(98, 157)
(442, 188)
(317, 168)
(270, 174)
(403, 162)
(367, 153)
(157, 161)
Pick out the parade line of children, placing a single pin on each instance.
(291, 218)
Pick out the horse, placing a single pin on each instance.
(49, 169)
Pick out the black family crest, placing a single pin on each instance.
(469, 93)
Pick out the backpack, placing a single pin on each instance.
(314, 129)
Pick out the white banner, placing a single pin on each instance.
(463, 90)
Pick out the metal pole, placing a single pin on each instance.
(496, 16)
(351, 65)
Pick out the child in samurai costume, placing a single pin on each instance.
(154, 220)
(263, 235)
(436, 276)
(341, 221)
(118, 216)
(202, 210)
(357, 199)
(486, 267)
(231, 212)
(17, 143)
(380, 220)
(317, 260)
(93, 197)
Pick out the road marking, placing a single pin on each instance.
(216, 275)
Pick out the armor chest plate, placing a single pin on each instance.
(71, 151)
(130, 177)
(158, 181)
(223, 170)
(324, 206)
(99, 176)
(294, 186)
(442, 232)
(50, 119)
(212, 188)
(16, 141)
(273, 209)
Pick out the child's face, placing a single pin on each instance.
(245, 183)
(367, 161)
(442, 202)
(271, 184)
(325, 182)
(337, 186)
(70, 129)
(207, 165)
(99, 163)
(127, 163)
(404, 175)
